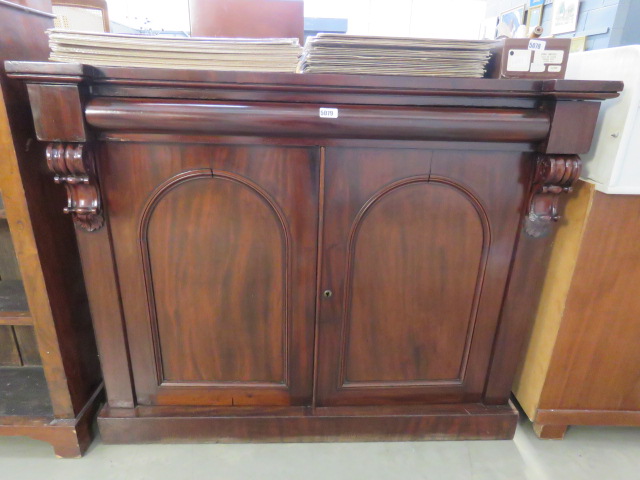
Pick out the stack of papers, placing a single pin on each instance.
(336, 53)
(236, 54)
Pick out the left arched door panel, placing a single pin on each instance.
(218, 289)
(219, 297)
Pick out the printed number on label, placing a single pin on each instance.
(328, 113)
(537, 44)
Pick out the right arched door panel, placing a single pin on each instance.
(414, 258)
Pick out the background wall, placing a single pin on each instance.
(416, 18)
(626, 28)
(150, 15)
(605, 23)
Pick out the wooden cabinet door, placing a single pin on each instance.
(415, 256)
(216, 255)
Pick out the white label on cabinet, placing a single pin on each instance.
(328, 113)
(537, 67)
(519, 60)
(537, 44)
(549, 56)
(555, 68)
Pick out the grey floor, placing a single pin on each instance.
(586, 453)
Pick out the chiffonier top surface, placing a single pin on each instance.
(307, 83)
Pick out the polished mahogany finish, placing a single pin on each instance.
(356, 121)
(413, 311)
(242, 281)
(271, 274)
(75, 169)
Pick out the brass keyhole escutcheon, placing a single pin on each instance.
(327, 293)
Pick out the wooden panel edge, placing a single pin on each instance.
(620, 418)
(70, 438)
(15, 319)
(531, 375)
(28, 256)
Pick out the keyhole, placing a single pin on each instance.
(327, 293)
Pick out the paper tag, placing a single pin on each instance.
(519, 60)
(549, 56)
(537, 67)
(537, 44)
(555, 68)
(328, 113)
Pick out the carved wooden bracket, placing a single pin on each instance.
(555, 174)
(73, 166)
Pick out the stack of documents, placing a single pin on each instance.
(236, 54)
(336, 53)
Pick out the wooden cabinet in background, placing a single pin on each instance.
(582, 361)
(17, 338)
(258, 272)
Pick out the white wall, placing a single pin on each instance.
(416, 18)
(151, 14)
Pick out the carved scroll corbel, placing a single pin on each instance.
(555, 174)
(73, 166)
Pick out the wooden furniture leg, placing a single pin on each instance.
(549, 432)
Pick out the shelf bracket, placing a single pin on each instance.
(73, 165)
(554, 175)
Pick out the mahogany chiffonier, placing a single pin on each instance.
(281, 257)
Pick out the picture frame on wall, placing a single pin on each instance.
(578, 44)
(510, 21)
(534, 17)
(565, 16)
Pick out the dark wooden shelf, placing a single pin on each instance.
(61, 410)
(24, 392)
(14, 309)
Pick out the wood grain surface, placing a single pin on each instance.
(581, 362)
(596, 357)
(283, 276)
(301, 424)
(280, 119)
(215, 283)
(413, 320)
(46, 250)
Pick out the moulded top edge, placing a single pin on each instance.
(53, 71)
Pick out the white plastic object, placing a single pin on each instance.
(613, 163)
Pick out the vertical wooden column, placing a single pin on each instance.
(71, 158)
(554, 175)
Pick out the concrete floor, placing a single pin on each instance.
(586, 453)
